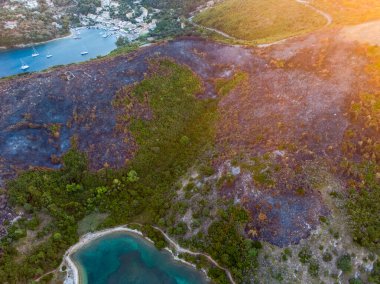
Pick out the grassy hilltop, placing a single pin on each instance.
(261, 20)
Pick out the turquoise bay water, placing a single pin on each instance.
(63, 51)
(127, 258)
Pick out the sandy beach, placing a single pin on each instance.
(73, 273)
(72, 276)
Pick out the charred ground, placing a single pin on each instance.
(292, 107)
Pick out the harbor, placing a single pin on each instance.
(83, 44)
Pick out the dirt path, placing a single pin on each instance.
(43, 275)
(211, 29)
(183, 250)
(328, 17)
(306, 3)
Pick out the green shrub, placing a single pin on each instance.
(363, 207)
(344, 263)
(313, 268)
(305, 255)
(355, 281)
(327, 257)
(375, 274)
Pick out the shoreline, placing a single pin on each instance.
(73, 271)
(36, 44)
(24, 45)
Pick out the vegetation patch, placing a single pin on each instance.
(226, 245)
(224, 86)
(261, 20)
(361, 164)
(90, 223)
(141, 191)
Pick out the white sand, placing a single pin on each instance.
(72, 276)
(72, 272)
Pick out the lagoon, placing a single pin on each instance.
(64, 51)
(123, 257)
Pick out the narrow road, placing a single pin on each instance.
(43, 275)
(183, 250)
(211, 29)
(328, 17)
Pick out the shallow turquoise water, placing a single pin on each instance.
(63, 51)
(127, 258)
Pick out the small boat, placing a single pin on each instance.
(76, 35)
(35, 53)
(48, 55)
(105, 36)
(24, 66)
(84, 53)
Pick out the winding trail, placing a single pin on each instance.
(180, 249)
(328, 17)
(43, 275)
(211, 29)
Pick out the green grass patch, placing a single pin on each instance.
(261, 20)
(90, 223)
(181, 130)
(224, 86)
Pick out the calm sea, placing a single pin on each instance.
(127, 258)
(63, 51)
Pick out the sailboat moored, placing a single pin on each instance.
(24, 66)
(35, 52)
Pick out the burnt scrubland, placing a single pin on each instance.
(267, 158)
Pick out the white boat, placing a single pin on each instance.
(48, 55)
(84, 53)
(24, 66)
(105, 36)
(76, 35)
(35, 53)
